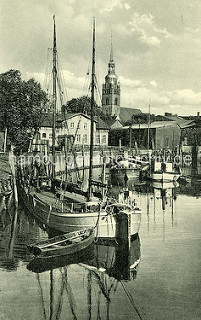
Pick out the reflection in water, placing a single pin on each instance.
(16, 231)
(97, 283)
(100, 268)
(105, 266)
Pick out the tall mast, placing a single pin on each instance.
(92, 113)
(148, 135)
(54, 73)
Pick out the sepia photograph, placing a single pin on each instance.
(100, 160)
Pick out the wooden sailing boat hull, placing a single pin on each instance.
(120, 173)
(165, 185)
(165, 176)
(71, 221)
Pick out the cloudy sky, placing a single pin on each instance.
(157, 47)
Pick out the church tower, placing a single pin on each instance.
(111, 90)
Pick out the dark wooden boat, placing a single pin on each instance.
(64, 244)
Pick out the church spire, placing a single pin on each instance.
(111, 89)
(111, 64)
(111, 50)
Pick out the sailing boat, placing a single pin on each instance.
(67, 215)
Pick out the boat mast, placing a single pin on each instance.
(54, 73)
(92, 113)
(148, 135)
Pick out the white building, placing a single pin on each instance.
(76, 127)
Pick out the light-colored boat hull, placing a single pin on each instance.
(70, 221)
(165, 176)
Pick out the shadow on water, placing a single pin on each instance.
(96, 283)
(105, 266)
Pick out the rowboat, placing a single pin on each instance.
(65, 244)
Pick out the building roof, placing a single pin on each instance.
(72, 115)
(153, 125)
(46, 119)
(111, 122)
(126, 114)
(101, 124)
(182, 123)
(171, 116)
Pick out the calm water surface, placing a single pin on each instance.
(164, 283)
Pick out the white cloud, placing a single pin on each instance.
(112, 4)
(129, 83)
(153, 83)
(39, 77)
(185, 97)
(127, 6)
(146, 30)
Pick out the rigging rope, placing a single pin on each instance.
(60, 299)
(42, 298)
(131, 300)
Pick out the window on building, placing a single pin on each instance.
(104, 139)
(107, 101)
(50, 135)
(85, 125)
(43, 135)
(84, 139)
(78, 138)
(72, 125)
(98, 138)
(116, 101)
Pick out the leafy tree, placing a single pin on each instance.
(82, 104)
(20, 106)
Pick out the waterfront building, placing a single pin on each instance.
(163, 135)
(75, 126)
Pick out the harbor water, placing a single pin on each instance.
(157, 277)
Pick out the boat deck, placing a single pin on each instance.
(67, 205)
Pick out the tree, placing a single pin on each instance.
(20, 106)
(82, 105)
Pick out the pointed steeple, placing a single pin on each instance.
(111, 50)
(111, 89)
(111, 64)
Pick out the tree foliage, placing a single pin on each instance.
(20, 106)
(82, 105)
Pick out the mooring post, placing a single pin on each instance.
(12, 167)
(123, 228)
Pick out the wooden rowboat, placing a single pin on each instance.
(64, 244)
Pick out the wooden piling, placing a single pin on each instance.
(12, 167)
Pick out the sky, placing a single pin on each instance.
(156, 45)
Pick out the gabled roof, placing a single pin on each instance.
(182, 123)
(46, 119)
(126, 114)
(72, 115)
(153, 125)
(172, 116)
(114, 123)
(101, 124)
